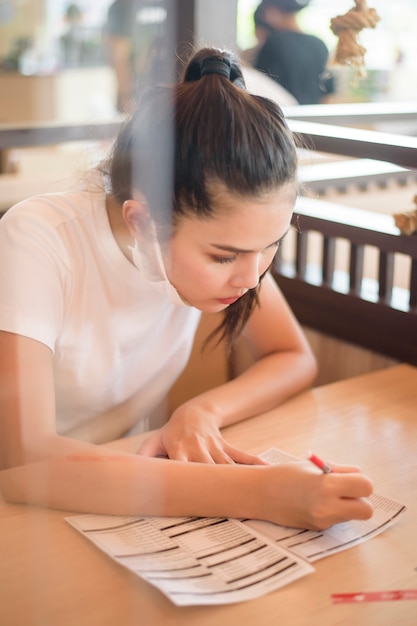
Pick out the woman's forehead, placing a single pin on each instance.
(243, 222)
(227, 199)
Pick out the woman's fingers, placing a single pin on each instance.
(355, 508)
(351, 485)
(152, 446)
(344, 496)
(201, 451)
(244, 458)
(344, 510)
(222, 453)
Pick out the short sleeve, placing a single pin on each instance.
(34, 270)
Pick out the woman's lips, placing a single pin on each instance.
(229, 300)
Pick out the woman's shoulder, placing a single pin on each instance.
(56, 208)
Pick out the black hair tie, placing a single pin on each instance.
(215, 65)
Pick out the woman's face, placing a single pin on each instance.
(214, 261)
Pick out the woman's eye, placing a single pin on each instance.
(226, 259)
(274, 245)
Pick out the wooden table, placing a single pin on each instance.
(52, 576)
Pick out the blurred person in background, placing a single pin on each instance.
(293, 58)
(257, 82)
(262, 30)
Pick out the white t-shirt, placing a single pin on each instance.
(65, 282)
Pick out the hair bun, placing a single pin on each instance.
(216, 65)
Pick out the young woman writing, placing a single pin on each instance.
(100, 294)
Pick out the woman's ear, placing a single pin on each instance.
(136, 215)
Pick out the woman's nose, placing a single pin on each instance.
(247, 273)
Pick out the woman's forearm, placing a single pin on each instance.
(101, 480)
(125, 484)
(263, 386)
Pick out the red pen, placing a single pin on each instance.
(319, 463)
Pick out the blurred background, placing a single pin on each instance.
(56, 68)
(391, 57)
(54, 63)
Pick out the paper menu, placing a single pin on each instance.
(203, 561)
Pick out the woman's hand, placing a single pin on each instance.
(304, 497)
(191, 434)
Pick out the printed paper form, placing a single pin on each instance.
(195, 561)
(201, 561)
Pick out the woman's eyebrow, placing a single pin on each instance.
(242, 250)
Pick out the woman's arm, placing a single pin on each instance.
(111, 483)
(43, 468)
(283, 366)
(283, 361)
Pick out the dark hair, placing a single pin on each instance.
(220, 135)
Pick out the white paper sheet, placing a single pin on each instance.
(202, 561)
(195, 560)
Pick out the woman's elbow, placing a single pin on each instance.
(312, 369)
(308, 367)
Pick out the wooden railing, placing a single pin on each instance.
(42, 134)
(340, 303)
(326, 137)
(356, 114)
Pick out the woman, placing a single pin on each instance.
(101, 298)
